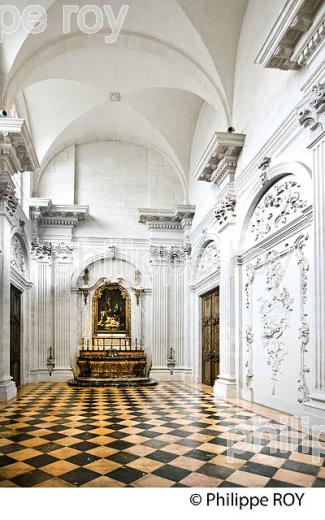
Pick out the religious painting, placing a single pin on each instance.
(111, 310)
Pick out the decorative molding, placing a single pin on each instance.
(180, 218)
(264, 167)
(48, 251)
(225, 211)
(311, 112)
(249, 337)
(41, 250)
(111, 252)
(219, 160)
(278, 206)
(170, 254)
(274, 311)
(16, 147)
(115, 97)
(138, 293)
(304, 329)
(209, 261)
(62, 251)
(17, 255)
(311, 43)
(295, 20)
(44, 213)
(8, 199)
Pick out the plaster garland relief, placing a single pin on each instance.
(282, 203)
(47, 251)
(274, 312)
(17, 257)
(209, 261)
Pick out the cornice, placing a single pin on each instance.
(281, 49)
(179, 218)
(220, 157)
(47, 214)
(16, 145)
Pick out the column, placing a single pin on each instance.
(311, 115)
(225, 386)
(8, 206)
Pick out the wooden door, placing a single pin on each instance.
(210, 337)
(15, 324)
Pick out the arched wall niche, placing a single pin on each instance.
(276, 318)
(99, 270)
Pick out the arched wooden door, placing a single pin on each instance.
(210, 336)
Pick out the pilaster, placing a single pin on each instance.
(311, 115)
(8, 206)
(160, 307)
(226, 386)
(62, 260)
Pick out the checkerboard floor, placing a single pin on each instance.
(173, 435)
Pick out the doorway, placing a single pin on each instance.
(15, 327)
(210, 336)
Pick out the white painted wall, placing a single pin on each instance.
(114, 179)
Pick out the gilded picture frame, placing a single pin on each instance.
(111, 311)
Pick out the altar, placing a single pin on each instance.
(110, 357)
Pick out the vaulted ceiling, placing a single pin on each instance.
(172, 59)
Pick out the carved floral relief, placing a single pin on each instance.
(17, 258)
(280, 205)
(209, 261)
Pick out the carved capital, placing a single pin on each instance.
(225, 211)
(62, 251)
(8, 199)
(312, 111)
(41, 250)
(172, 254)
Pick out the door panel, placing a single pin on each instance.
(210, 337)
(15, 323)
